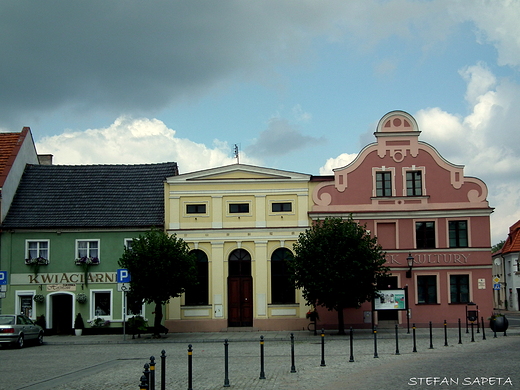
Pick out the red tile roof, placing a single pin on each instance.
(512, 243)
(10, 144)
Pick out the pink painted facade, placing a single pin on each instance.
(415, 202)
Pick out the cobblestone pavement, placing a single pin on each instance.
(109, 362)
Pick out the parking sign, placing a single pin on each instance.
(3, 277)
(123, 276)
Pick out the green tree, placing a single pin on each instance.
(337, 265)
(497, 246)
(161, 268)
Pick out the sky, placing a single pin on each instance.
(296, 85)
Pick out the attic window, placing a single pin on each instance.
(235, 208)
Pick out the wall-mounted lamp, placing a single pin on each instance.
(409, 260)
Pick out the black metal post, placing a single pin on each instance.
(152, 373)
(351, 345)
(483, 331)
(460, 333)
(472, 334)
(226, 366)
(375, 342)
(431, 336)
(293, 367)
(396, 340)
(494, 327)
(467, 331)
(144, 383)
(163, 369)
(407, 310)
(190, 367)
(146, 373)
(322, 348)
(262, 373)
(445, 333)
(414, 341)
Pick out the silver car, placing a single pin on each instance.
(15, 329)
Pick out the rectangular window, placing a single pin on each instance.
(238, 208)
(414, 183)
(281, 207)
(37, 250)
(425, 235)
(87, 252)
(102, 303)
(196, 209)
(133, 308)
(458, 231)
(26, 305)
(459, 288)
(383, 183)
(427, 289)
(128, 243)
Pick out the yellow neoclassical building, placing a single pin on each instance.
(242, 222)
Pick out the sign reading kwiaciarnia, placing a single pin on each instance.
(64, 278)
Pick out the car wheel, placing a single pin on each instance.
(19, 342)
(39, 341)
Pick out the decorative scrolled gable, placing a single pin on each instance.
(397, 135)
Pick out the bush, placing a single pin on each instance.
(78, 322)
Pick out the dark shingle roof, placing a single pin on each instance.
(51, 196)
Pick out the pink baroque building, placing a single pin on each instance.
(418, 205)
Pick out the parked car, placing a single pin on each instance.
(15, 329)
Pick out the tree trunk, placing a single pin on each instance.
(341, 321)
(157, 320)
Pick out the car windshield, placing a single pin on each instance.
(6, 320)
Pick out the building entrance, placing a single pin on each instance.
(240, 289)
(62, 314)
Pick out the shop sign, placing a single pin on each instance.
(61, 287)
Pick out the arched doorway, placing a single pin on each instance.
(61, 314)
(240, 289)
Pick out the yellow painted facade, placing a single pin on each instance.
(220, 210)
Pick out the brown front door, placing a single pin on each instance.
(240, 292)
(240, 289)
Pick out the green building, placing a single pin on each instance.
(65, 232)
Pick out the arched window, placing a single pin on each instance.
(282, 289)
(198, 295)
(240, 263)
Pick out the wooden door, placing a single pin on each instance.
(240, 301)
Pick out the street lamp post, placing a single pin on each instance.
(409, 260)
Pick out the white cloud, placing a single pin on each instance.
(338, 162)
(497, 23)
(136, 141)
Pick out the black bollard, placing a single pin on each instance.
(293, 367)
(375, 342)
(472, 334)
(226, 366)
(445, 333)
(144, 383)
(396, 340)
(163, 369)
(431, 336)
(322, 348)
(190, 368)
(351, 345)
(146, 373)
(414, 342)
(460, 333)
(151, 385)
(494, 328)
(483, 331)
(262, 373)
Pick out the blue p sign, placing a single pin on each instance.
(3, 277)
(123, 276)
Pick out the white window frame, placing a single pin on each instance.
(17, 305)
(38, 249)
(127, 241)
(125, 306)
(93, 314)
(375, 171)
(88, 240)
(414, 168)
